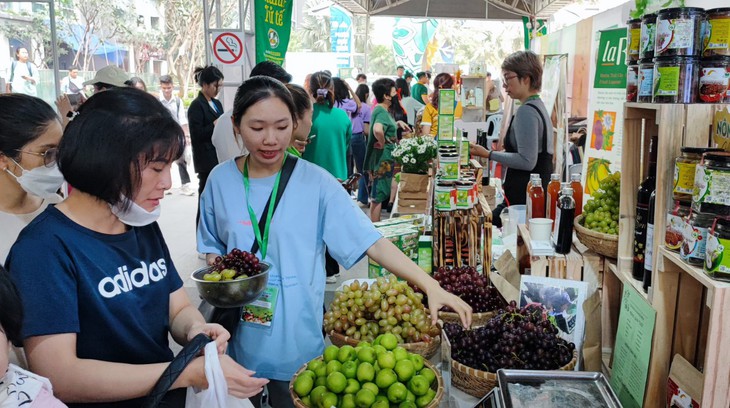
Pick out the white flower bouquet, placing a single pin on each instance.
(415, 154)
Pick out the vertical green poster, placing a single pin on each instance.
(273, 27)
(611, 60)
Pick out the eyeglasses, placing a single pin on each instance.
(505, 79)
(49, 156)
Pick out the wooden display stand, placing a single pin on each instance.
(691, 309)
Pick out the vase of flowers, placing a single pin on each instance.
(415, 156)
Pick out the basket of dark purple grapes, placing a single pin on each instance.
(233, 280)
(515, 338)
(472, 287)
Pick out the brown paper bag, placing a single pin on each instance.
(507, 278)
(592, 349)
(413, 183)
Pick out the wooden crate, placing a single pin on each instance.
(676, 126)
(472, 246)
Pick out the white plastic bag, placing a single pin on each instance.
(216, 396)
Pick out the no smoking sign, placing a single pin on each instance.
(228, 48)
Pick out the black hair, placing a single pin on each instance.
(301, 99)
(400, 67)
(526, 64)
(207, 75)
(134, 81)
(420, 75)
(362, 92)
(341, 92)
(166, 79)
(257, 89)
(11, 309)
(382, 87)
(22, 120)
(401, 85)
(114, 136)
(73, 68)
(322, 80)
(103, 85)
(361, 76)
(271, 69)
(407, 75)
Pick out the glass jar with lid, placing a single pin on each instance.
(684, 171)
(694, 237)
(711, 192)
(675, 225)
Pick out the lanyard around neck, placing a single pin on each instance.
(263, 240)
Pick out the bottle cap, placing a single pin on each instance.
(555, 176)
(567, 191)
(575, 177)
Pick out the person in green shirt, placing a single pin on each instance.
(419, 90)
(381, 142)
(331, 126)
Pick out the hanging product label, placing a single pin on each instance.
(694, 242)
(673, 234)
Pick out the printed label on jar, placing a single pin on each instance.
(634, 41)
(684, 178)
(711, 186)
(646, 81)
(444, 199)
(648, 32)
(718, 34)
(715, 260)
(450, 171)
(674, 34)
(694, 242)
(714, 83)
(462, 198)
(666, 81)
(673, 234)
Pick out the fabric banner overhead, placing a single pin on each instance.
(341, 35)
(411, 40)
(273, 27)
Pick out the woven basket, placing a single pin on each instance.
(437, 386)
(478, 383)
(427, 350)
(598, 242)
(477, 319)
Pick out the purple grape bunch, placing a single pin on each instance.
(244, 263)
(471, 286)
(515, 338)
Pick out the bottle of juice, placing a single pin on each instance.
(553, 190)
(577, 193)
(536, 204)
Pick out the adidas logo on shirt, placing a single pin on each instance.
(125, 281)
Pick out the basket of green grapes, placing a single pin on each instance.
(597, 226)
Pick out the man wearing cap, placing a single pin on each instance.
(419, 90)
(109, 77)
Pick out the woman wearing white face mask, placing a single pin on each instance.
(29, 178)
(100, 291)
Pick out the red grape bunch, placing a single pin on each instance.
(236, 264)
(515, 338)
(471, 286)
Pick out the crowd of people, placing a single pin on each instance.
(91, 292)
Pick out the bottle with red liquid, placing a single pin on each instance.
(553, 191)
(536, 199)
(577, 193)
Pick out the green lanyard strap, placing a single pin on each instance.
(262, 240)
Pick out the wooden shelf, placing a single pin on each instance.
(473, 77)
(640, 105)
(696, 272)
(624, 275)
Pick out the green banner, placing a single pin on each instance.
(273, 27)
(611, 59)
(539, 29)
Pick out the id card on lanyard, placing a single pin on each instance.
(260, 313)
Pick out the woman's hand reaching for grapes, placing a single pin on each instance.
(438, 298)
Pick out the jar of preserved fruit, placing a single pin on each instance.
(678, 32)
(711, 193)
(716, 38)
(632, 83)
(694, 237)
(646, 81)
(714, 80)
(633, 40)
(648, 35)
(717, 251)
(675, 79)
(684, 171)
(675, 225)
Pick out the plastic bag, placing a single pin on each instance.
(216, 395)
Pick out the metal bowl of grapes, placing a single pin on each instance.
(234, 280)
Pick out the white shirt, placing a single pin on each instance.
(21, 85)
(78, 81)
(14, 223)
(227, 146)
(177, 108)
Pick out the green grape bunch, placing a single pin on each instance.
(602, 211)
